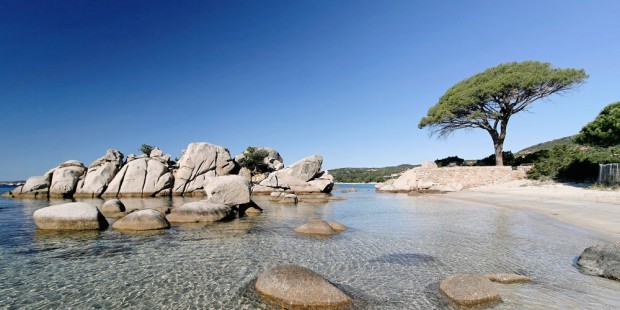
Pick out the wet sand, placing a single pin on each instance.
(596, 210)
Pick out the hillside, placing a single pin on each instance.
(365, 175)
(546, 145)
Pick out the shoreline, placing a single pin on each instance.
(594, 210)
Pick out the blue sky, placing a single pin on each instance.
(346, 79)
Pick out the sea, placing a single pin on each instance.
(394, 254)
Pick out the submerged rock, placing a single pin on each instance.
(297, 287)
(288, 199)
(200, 211)
(469, 289)
(507, 278)
(142, 220)
(601, 260)
(70, 216)
(336, 226)
(316, 227)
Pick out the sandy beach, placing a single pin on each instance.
(596, 210)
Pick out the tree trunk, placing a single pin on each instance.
(499, 152)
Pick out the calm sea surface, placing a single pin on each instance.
(393, 256)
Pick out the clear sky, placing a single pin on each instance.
(346, 79)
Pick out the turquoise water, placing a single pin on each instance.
(394, 254)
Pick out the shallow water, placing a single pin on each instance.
(394, 254)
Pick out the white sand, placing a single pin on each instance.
(596, 210)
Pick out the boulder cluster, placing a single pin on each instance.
(203, 169)
(227, 198)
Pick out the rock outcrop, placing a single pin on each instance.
(58, 182)
(199, 212)
(200, 161)
(448, 179)
(273, 161)
(303, 176)
(65, 179)
(601, 260)
(142, 176)
(99, 174)
(142, 220)
(297, 287)
(469, 289)
(154, 175)
(230, 190)
(70, 216)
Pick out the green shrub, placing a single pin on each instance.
(449, 161)
(146, 149)
(565, 163)
(254, 160)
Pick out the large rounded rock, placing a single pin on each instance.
(113, 206)
(469, 289)
(142, 220)
(601, 260)
(229, 190)
(299, 288)
(200, 211)
(65, 179)
(316, 228)
(70, 216)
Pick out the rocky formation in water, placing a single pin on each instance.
(601, 260)
(304, 175)
(99, 175)
(70, 216)
(297, 287)
(200, 161)
(142, 176)
(142, 220)
(469, 289)
(200, 212)
(320, 228)
(155, 175)
(272, 162)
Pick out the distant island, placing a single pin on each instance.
(12, 183)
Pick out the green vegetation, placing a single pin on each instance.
(254, 160)
(604, 131)
(488, 99)
(146, 149)
(566, 163)
(450, 161)
(568, 141)
(367, 175)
